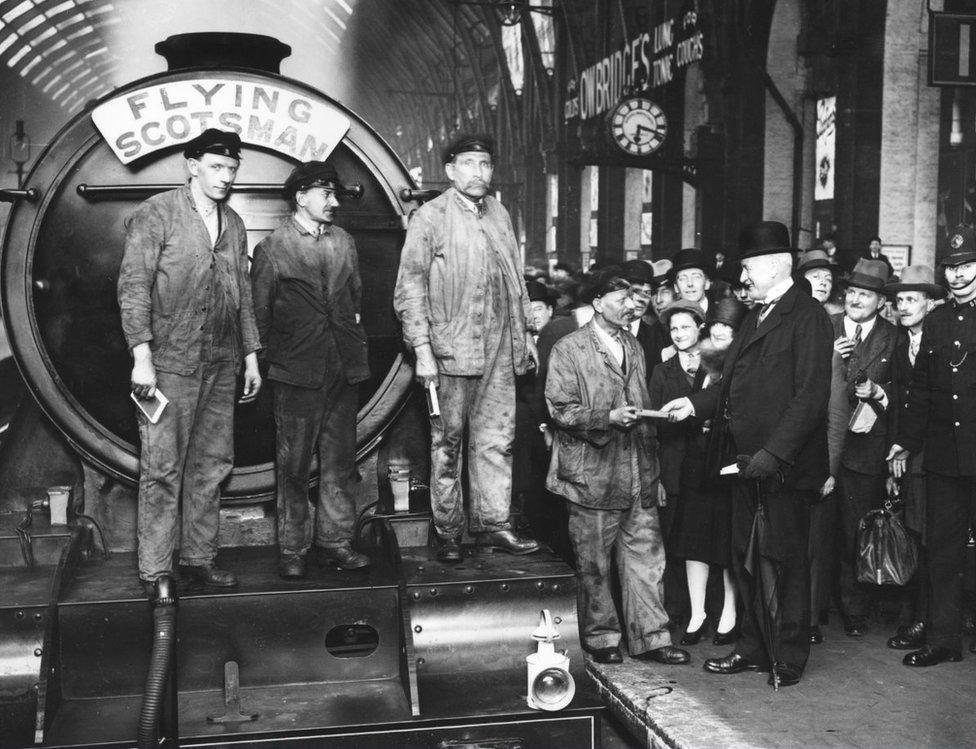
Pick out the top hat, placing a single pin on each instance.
(727, 310)
(638, 272)
(868, 274)
(681, 305)
(811, 260)
(308, 175)
(916, 278)
(962, 243)
(212, 140)
(691, 257)
(465, 143)
(764, 238)
(539, 292)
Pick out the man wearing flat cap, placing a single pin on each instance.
(307, 296)
(940, 422)
(185, 300)
(461, 298)
(772, 402)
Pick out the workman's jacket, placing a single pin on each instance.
(594, 464)
(442, 286)
(307, 293)
(188, 297)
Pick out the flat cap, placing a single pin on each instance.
(467, 143)
(308, 175)
(638, 271)
(212, 140)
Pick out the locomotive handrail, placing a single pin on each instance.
(107, 192)
(408, 194)
(31, 194)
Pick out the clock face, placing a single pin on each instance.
(638, 126)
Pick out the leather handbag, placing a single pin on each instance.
(886, 552)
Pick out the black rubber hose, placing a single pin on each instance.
(160, 662)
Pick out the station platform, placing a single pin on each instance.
(855, 693)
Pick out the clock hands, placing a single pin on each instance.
(637, 132)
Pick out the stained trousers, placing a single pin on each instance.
(951, 509)
(634, 536)
(310, 421)
(185, 457)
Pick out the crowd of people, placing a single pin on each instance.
(714, 426)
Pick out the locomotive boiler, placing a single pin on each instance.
(410, 653)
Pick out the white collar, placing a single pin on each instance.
(866, 327)
(778, 290)
(634, 326)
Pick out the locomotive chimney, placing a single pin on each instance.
(223, 49)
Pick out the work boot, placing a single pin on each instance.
(291, 566)
(449, 549)
(208, 575)
(506, 540)
(344, 557)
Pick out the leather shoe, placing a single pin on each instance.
(607, 655)
(291, 566)
(931, 656)
(786, 675)
(908, 637)
(733, 663)
(669, 655)
(856, 626)
(208, 575)
(815, 634)
(344, 557)
(449, 550)
(506, 540)
(693, 637)
(726, 638)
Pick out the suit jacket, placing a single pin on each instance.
(775, 388)
(653, 340)
(875, 356)
(683, 439)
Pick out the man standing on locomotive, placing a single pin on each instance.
(307, 294)
(461, 298)
(185, 300)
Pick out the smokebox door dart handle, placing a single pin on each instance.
(232, 698)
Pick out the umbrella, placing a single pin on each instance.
(765, 573)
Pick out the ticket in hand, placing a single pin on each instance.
(151, 407)
(648, 413)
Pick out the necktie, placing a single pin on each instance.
(856, 340)
(913, 345)
(764, 310)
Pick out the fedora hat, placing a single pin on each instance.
(962, 246)
(811, 260)
(727, 310)
(868, 274)
(691, 257)
(681, 305)
(916, 278)
(764, 238)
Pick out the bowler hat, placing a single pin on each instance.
(212, 140)
(308, 175)
(539, 292)
(662, 273)
(868, 274)
(764, 238)
(812, 260)
(962, 243)
(465, 143)
(916, 278)
(681, 305)
(727, 310)
(638, 272)
(690, 257)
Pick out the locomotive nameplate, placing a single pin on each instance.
(266, 114)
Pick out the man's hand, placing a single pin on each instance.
(624, 417)
(844, 346)
(546, 435)
(867, 390)
(679, 409)
(532, 350)
(252, 378)
(762, 465)
(897, 460)
(143, 380)
(662, 495)
(425, 370)
(828, 486)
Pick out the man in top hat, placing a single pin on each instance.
(185, 300)
(692, 275)
(914, 296)
(940, 422)
(862, 371)
(307, 297)
(461, 299)
(606, 467)
(773, 398)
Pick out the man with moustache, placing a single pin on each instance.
(185, 300)
(915, 295)
(606, 467)
(861, 373)
(307, 296)
(773, 396)
(461, 298)
(940, 422)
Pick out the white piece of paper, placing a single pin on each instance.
(152, 408)
(731, 469)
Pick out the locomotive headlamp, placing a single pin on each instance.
(550, 685)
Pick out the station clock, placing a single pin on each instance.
(638, 126)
